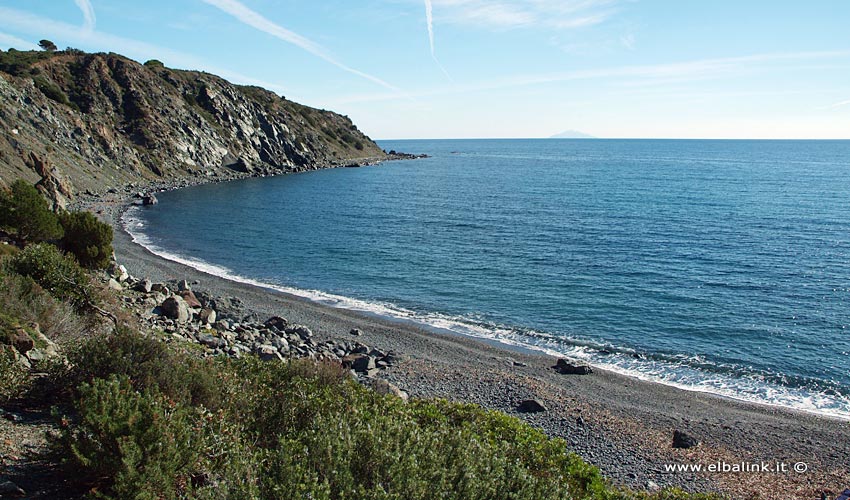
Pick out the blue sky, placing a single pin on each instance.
(496, 68)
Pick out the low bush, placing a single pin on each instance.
(138, 444)
(56, 273)
(21, 297)
(87, 238)
(146, 429)
(150, 365)
(14, 378)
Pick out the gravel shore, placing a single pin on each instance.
(622, 425)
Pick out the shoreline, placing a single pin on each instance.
(620, 423)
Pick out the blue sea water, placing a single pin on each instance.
(718, 266)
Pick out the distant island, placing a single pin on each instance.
(572, 134)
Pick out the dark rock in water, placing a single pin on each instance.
(276, 322)
(684, 440)
(531, 406)
(212, 342)
(149, 199)
(568, 368)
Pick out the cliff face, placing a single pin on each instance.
(102, 121)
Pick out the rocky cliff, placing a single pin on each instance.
(100, 121)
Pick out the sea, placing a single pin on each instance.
(720, 266)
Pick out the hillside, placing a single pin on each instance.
(103, 121)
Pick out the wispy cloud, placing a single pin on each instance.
(16, 43)
(26, 22)
(429, 20)
(254, 19)
(507, 14)
(89, 18)
(679, 72)
(840, 104)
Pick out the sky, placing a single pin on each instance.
(430, 69)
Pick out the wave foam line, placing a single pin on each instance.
(745, 389)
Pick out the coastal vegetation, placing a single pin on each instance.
(140, 417)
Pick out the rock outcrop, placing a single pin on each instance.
(105, 121)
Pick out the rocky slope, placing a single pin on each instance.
(92, 122)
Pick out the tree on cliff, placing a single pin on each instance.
(47, 45)
(26, 214)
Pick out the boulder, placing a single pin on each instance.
(212, 342)
(277, 323)
(531, 406)
(363, 363)
(21, 341)
(144, 286)
(356, 332)
(190, 299)
(570, 368)
(300, 330)
(160, 287)
(207, 316)
(268, 353)
(684, 440)
(114, 285)
(175, 308)
(53, 184)
(183, 286)
(149, 199)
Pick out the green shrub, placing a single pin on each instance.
(87, 238)
(56, 273)
(139, 444)
(25, 213)
(154, 63)
(150, 365)
(14, 378)
(24, 299)
(51, 90)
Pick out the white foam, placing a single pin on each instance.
(677, 374)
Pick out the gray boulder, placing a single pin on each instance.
(277, 323)
(268, 353)
(212, 342)
(207, 316)
(175, 308)
(143, 286)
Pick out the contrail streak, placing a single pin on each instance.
(88, 14)
(257, 21)
(429, 20)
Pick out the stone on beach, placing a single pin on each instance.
(531, 406)
(684, 440)
(570, 368)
